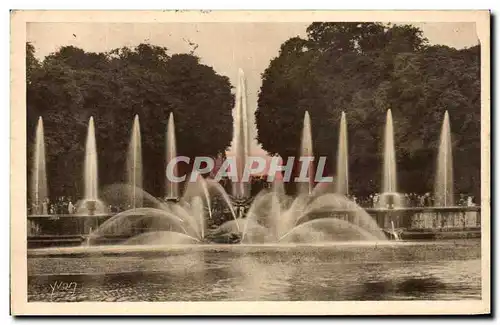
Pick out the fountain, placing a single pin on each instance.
(443, 188)
(389, 197)
(309, 218)
(240, 188)
(241, 141)
(306, 183)
(134, 165)
(342, 158)
(163, 222)
(171, 187)
(91, 164)
(91, 203)
(389, 176)
(39, 192)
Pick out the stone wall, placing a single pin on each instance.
(63, 225)
(436, 219)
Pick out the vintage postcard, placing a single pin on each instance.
(250, 163)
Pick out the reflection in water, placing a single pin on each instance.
(448, 270)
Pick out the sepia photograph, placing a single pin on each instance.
(337, 160)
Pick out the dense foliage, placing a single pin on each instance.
(365, 69)
(71, 85)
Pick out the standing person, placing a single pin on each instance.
(461, 200)
(422, 200)
(55, 206)
(470, 202)
(65, 205)
(35, 208)
(45, 206)
(375, 200)
(60, 205)
(71, 207)
(429, 199)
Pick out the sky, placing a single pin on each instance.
(224, 46)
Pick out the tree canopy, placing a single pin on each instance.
(365, 69)
(70, 85)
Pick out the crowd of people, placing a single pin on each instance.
(61, 205)
(410, 200)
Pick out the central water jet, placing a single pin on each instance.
(241, 141)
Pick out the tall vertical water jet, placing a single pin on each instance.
(172, 187)
(389, 174)
(90, 174)
(134, 165)
(342, 159)
(389, 197)
(306, 150)
(241, 141)
(443, 187)
(39, 190)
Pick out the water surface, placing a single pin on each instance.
(446, 270)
